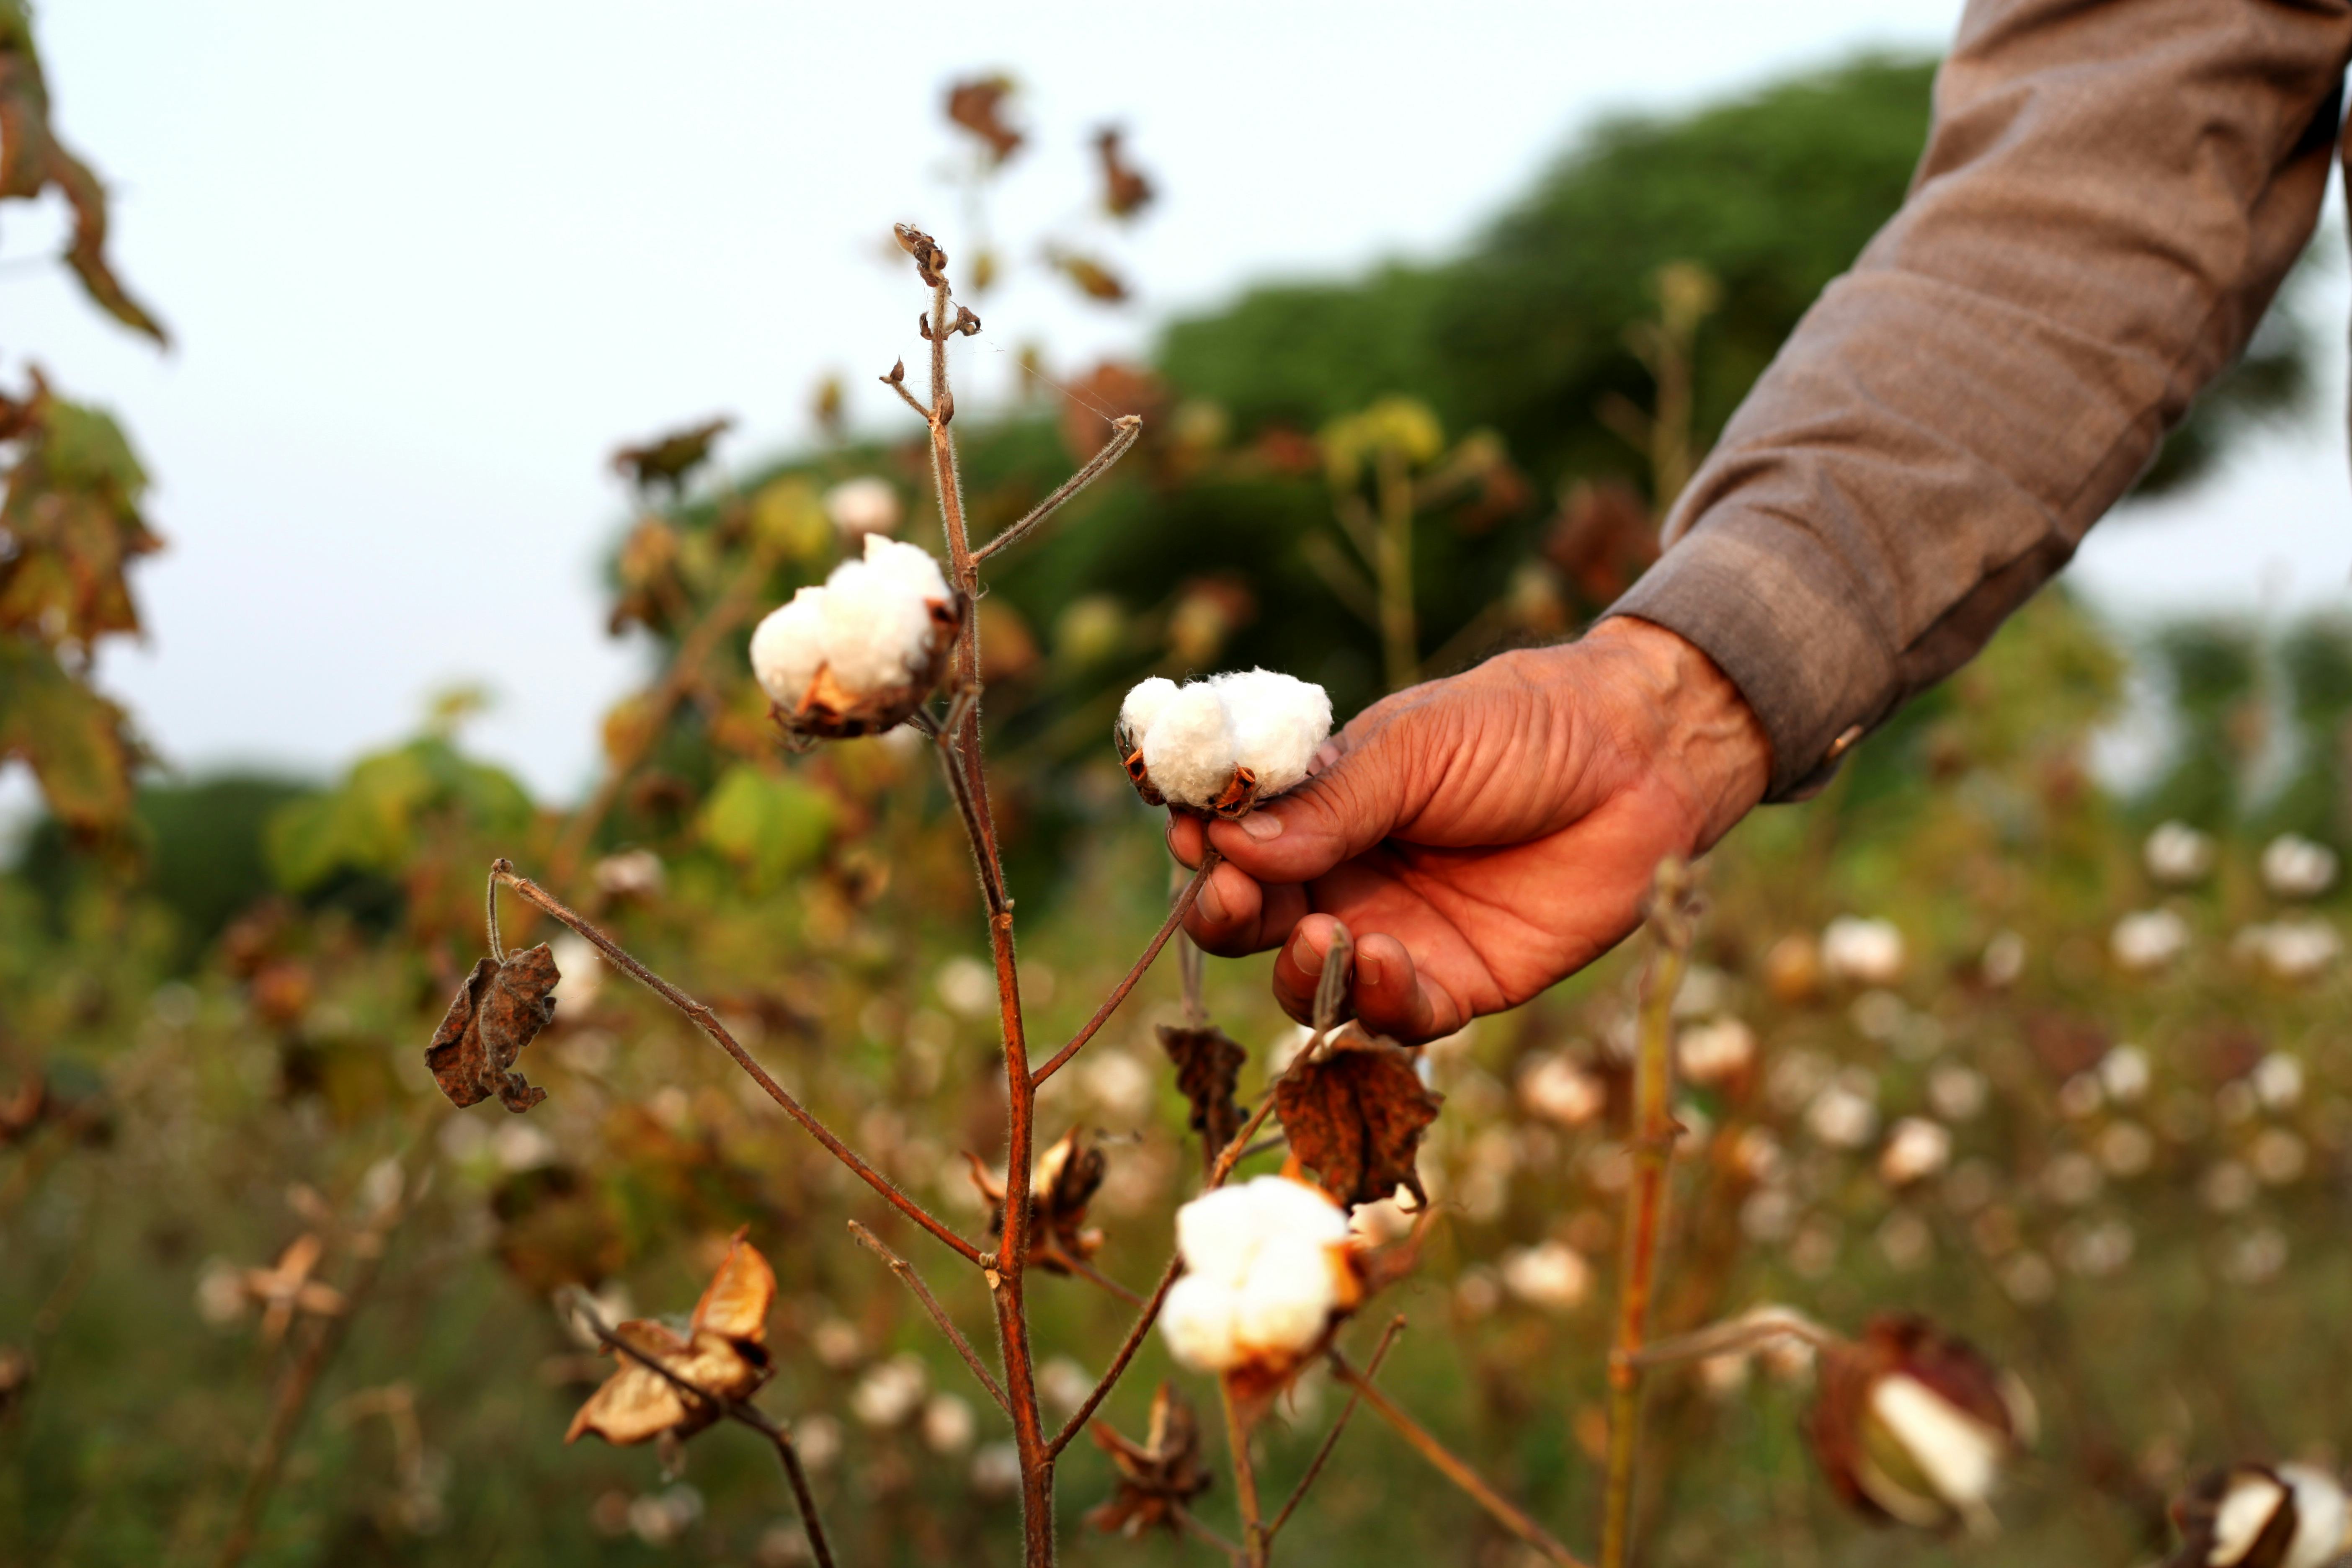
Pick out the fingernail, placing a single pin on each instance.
(1261, 826)
(1303, 954)
(1324, 755)
(1368, 968)
(1209, 904)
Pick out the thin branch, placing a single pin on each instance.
(1214, 1537)
(707, 1022)
(1745, 1332)
(1176, 913)
(1124, 431)
(1512, 1517)
(914, 1281)
(975, 826)
(1331, 1438)
(1143, 1321)
(738, 1410)
(899, 386)
(1237, 1440)
(1645, 1200)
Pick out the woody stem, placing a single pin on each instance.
(1254, 1537)
(1645, 1200)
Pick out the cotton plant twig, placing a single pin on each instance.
(1509, 1514)
(1736, 1335)
(914, 1281)
(1183, 907)
(1134, 1341)
(1237, 1444)
(1095, 1277)
(1331, 1438)
(1671, 921)
(1124, 430)
(737, 1410)
(502, 871)
(1192, 1522)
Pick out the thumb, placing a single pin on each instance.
(1373, 775)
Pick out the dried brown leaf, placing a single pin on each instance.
(1208, 1069)
(1126, 190)
(1355, 1117)
(977, 104)
(1093, 278)
(723, 1353)
(669, 457)
(1158, 1477)
(501, 1009)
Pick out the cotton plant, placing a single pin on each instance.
(858, 653)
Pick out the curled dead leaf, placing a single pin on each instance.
(977, 104)
(1354, 1114)
(501, 1009)
(1126, 190)
(1208, 1070)
(1158, 1477)
(1092, 277)
(722, 1354)
(669, 458)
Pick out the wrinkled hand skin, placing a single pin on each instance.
(496, 1012)
(1484, 836)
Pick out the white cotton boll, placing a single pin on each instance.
(1188, 749)
(2177, 854)
(2322, 1517)
(911, 567)
(1551, 1275)
(1278, 722)
(1218, 1233)
(2295, 867)
(1960, 1455)
(1143, 704)
(1842, 1117)
(1865, 951)
(1917, 1149)
(1283, 1305)
(1294, 1214)
(1197, 1321)
(788, 645)
(2148, 940)
(865, 505)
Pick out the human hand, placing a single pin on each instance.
(1487, 834)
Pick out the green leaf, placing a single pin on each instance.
(377, 818)
(771, 825)
(76, 742)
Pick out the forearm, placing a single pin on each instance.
(2107, 203)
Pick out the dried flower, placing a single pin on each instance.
(1220, 744)
(1913, 1424)
(1266, 1264)
(2262, 1516)
(858, 654)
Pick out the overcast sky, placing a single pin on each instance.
(426, 264)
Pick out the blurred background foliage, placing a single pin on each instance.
(215, 991)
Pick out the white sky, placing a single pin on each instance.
(427, 263)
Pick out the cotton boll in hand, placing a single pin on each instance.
(857, 654)
(1222, 744)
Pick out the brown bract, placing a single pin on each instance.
(829, 710)
(1354, 1114)
(1234, 800)
(501, 1009)
(1872, 1468)
(723, 1353)
(1156, 1476)
(1066, 1178)
(1208, 1069)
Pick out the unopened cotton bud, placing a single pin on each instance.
(1220, 744)
(1266, 1264)
(1914, 1426)
(1862, 952)
(2294, 868)
(859, 653)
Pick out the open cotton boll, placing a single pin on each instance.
(857, 653)
(1224, 743)
(1265, 1267)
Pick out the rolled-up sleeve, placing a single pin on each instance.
(2110, 196)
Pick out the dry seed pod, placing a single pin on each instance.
(859, 654)
(1913, 1424)
(1220, 746)
(724, 1352)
